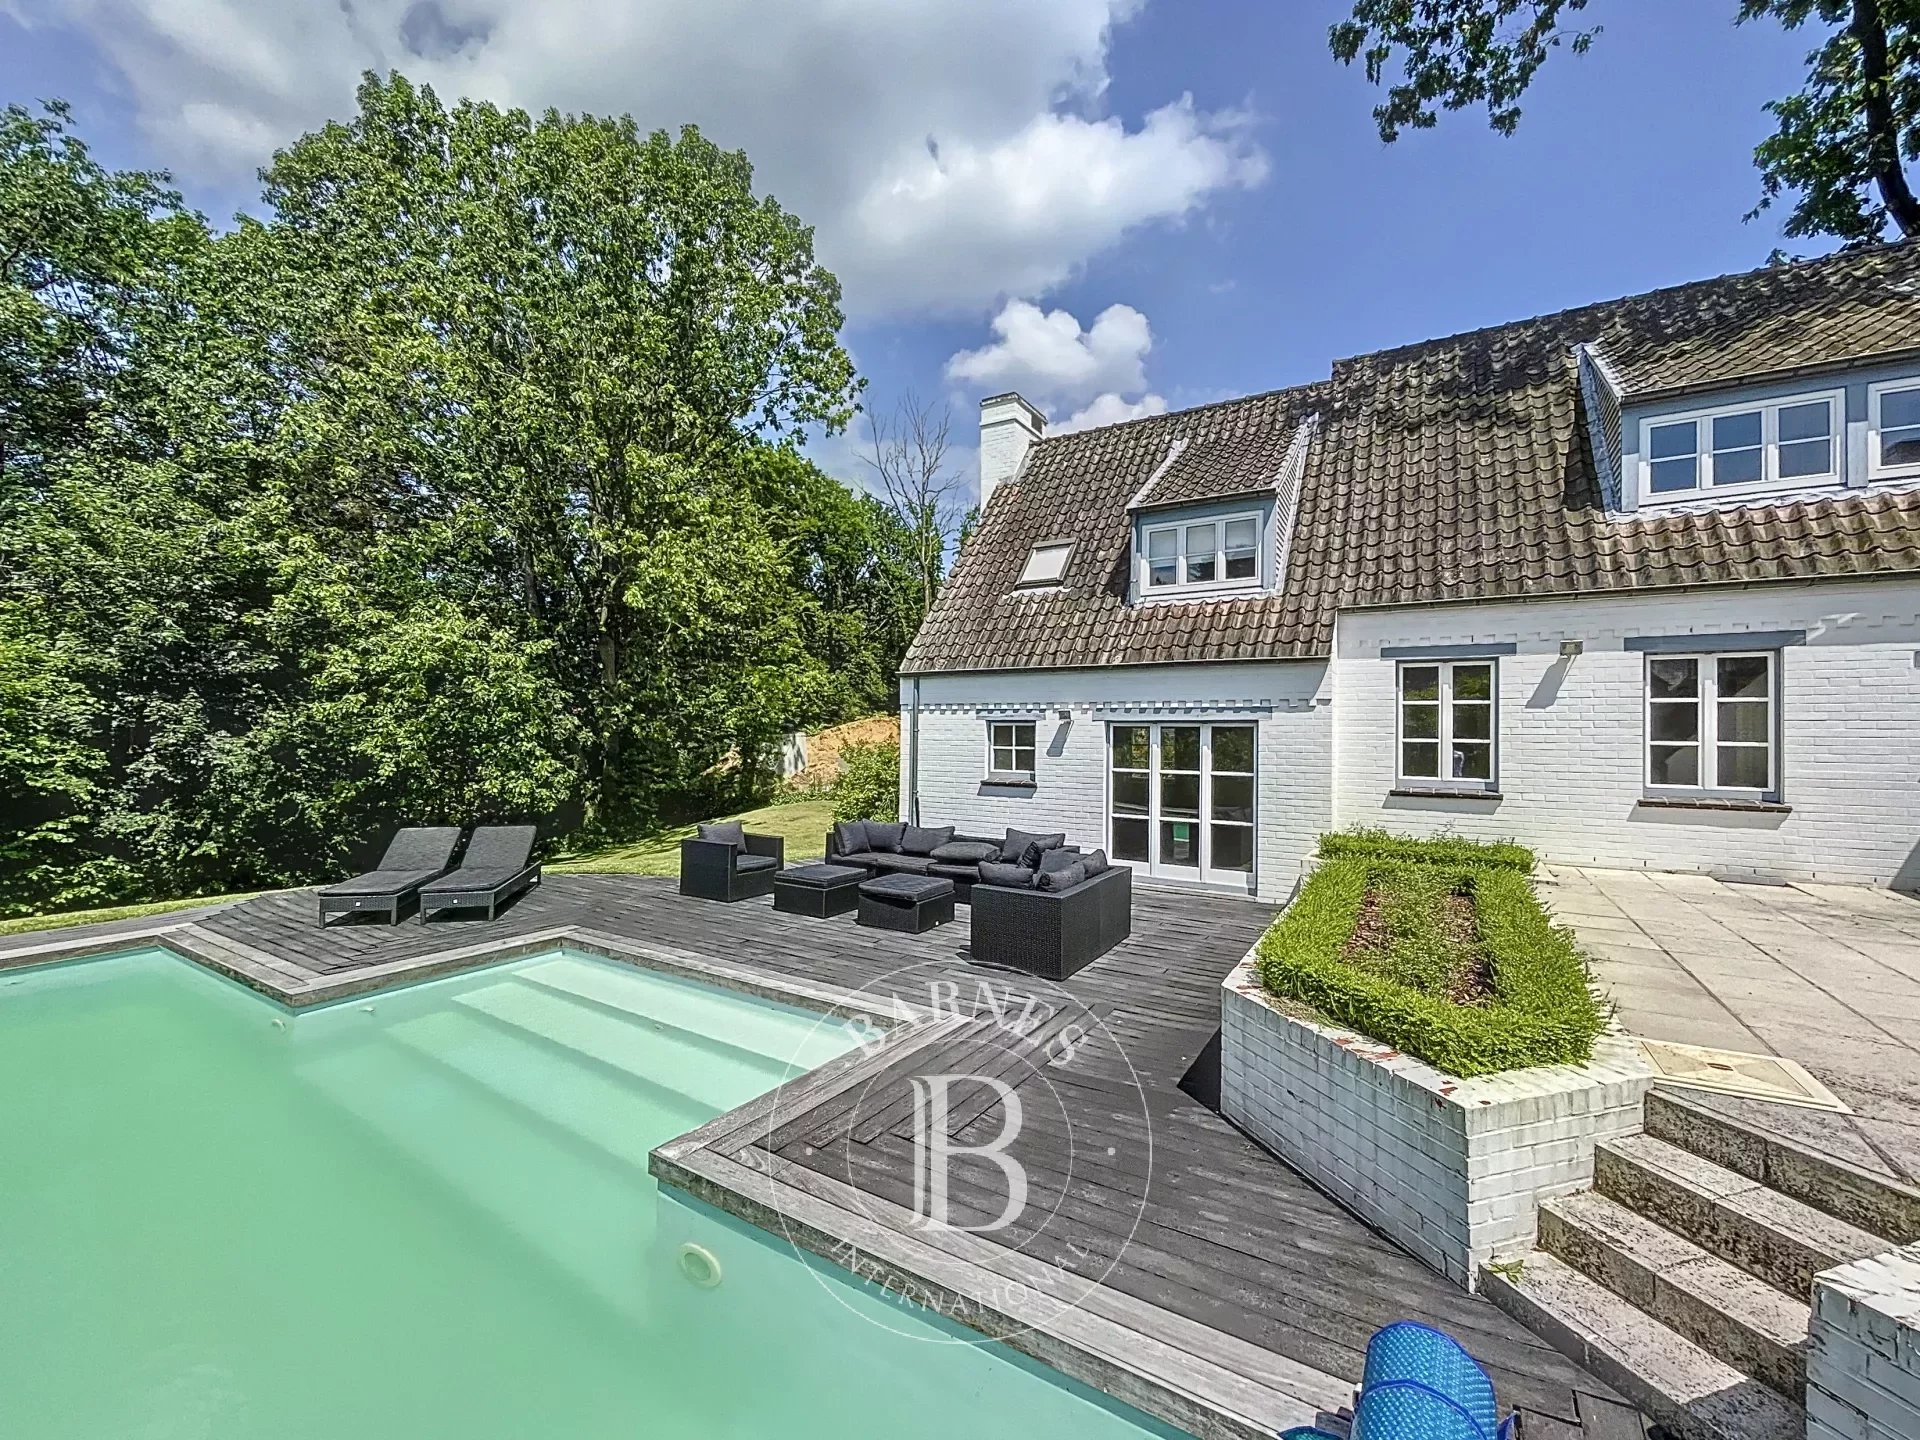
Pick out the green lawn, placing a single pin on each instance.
(804, 824)
(117, 912)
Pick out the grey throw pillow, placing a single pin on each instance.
(1017, 841)
(967, 852)
(728, 832)
(1065, 878)
(1011, 877)
(883, 836)
(1096, 863)
(850, 837)
(924, 840)
(1047, 860)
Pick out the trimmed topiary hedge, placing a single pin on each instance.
(1377, 844)
(1537, 1009)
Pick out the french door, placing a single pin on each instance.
(1182, 800)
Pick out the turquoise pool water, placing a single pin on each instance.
(425, 1215)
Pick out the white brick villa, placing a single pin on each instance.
(1636, 584)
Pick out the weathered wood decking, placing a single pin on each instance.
(1145, 1207)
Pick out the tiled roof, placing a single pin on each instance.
(1452, 470)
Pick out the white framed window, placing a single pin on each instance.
(1214, 554)
(1010, 748)
(1893, 426)
(1779, 445)
(1046, 563)
(1447, 727)
(1711, 723)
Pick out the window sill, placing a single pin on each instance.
(1008, 780)
(1711, 802)
(1443, 792)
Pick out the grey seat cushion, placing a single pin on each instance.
(884, 835)
(728, 832)
(964, 874)
(901, 864)
(823, 877)
(744, 864)
(924, 839)
(907, 887)
(1018, 841)
(468, 878)
(1063, 877)
(381, 882)
(1010, 877)
(1048, 861)
(967, 852)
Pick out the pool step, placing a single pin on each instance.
(718, 1077)
(1782, 1240)
(621, 1118)
(1693, 1394)
(589, 1218)
(1736, 1317)
(733, 1024)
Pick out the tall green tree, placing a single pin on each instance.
(1843, 144)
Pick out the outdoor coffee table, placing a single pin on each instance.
(911, 903)
(818, 890)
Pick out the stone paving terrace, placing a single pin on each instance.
(1164, 1215)
(1828, 975)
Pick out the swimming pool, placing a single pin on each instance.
(427, 1213)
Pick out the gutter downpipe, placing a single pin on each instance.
(913, 756)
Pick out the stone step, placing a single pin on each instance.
(1733, 1316)
(1784, 1242)
(1690, 1393)
(1843, 1190)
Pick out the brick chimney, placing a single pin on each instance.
(1008, 425)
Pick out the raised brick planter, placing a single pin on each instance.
(1452, 1169)
(1863, 1363)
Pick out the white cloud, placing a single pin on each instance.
(949, 152)
(1050, 359)
(1109, 409)
(1046, 356)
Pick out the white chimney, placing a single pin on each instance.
(1008, 425)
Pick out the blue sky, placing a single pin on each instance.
(991, 177)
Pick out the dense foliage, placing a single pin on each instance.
(1842, 144)
(1400, 980)
(462, 485)
(1379, 844)
(867, 786)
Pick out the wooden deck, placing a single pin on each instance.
(1142, 1200)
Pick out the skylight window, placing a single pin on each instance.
(1046, 564)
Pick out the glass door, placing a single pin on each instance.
(1182, 800)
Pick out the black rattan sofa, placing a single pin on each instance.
(1053, 933)
(884, 847)
(723, 862)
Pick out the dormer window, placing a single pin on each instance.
(1046, 563)
(1894, 413)
(1786, 444)
(1218, 553)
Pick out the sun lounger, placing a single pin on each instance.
(419, 853)
(496, 867)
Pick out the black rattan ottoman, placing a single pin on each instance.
(912, 903)
(818, 890)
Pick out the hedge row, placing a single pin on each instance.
(1378, 844)
(1541, 1011)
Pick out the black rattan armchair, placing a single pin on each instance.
(1052, 933)
(726, 863)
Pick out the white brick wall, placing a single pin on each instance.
(1070, 790)
(1453, 1169)
(1571, 731)
(1863, 1360)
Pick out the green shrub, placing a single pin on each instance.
(1378, 844)
(1540, 1010)
(868, 785)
